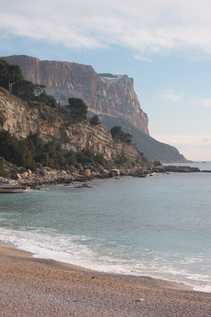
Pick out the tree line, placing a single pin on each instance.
(26, 152)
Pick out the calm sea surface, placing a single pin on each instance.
(156, 226)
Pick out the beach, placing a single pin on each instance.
(39, 287)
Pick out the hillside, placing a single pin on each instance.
(111, 97)
(21, 118)
(151, 148)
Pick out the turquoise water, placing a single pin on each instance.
(158, 226)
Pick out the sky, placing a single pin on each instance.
(164, 45)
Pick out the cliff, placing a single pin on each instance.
(21, 118)
(111, 97)
(104, 94)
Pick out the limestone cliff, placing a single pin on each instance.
(22, 118)
(110, 96)
(104, 94)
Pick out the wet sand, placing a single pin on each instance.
(39, 287)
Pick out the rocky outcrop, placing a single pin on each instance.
(107, 94)
(22, 118)
(181, 169)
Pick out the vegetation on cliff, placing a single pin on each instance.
(118, 134)
(3, 173)
(95, 120)
(113, 99)
(77, 108)
(24, 117)
(11, 78)
(26, 152)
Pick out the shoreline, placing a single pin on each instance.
(9, 249)
(44, 175)
(33, 286)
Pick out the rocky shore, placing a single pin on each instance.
(45, 175)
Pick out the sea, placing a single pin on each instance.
(158, 226)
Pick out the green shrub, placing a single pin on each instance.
(94, 120)
(3, 173)
(78, 109)
(31, 150)
(118, 134)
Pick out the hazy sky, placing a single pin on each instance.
(164, 45)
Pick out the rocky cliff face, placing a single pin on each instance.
(21, 119)
(104, 94)
(110, 96)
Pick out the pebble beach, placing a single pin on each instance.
(40, 287)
